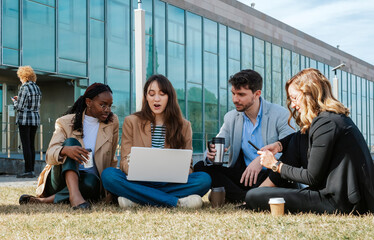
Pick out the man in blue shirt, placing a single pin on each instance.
(254, 119)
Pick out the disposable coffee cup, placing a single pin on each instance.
(89, 163)
(277, 206)
(219, 143)
(217, 197)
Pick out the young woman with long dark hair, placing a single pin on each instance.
(158, 124)
(82, 146)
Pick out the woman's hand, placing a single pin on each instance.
(76, 153)
(267, 158)
(274, 148)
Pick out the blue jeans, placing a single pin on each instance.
(154, 193)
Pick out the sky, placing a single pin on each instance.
(349, 24)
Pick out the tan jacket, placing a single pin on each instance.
(105, 148)
(134, 136)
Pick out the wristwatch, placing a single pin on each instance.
(275, 166)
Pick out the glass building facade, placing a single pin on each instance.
(93, 41)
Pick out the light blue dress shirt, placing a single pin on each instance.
(253, 133)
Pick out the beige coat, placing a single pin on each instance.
(134, 136)
(105, 148)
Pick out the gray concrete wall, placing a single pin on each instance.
(246, 19)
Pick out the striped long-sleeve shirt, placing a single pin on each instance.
(28, 104)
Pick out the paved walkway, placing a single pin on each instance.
(12, 181)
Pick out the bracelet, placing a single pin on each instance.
(280, 146)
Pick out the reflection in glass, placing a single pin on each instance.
(175, 24)
(118, 35)
(72, 23)
(194, 48)
(119, 82)
(97, 9)
(210, 36)
(159, 38)
(223, 56)
(234, 44)
(96, 51)
(247, 53)
(268, 73)
(10, 26)
(295, 63)
(38, 36)
(211, 94)
(277, 75)
(195, 111)
(286, 64)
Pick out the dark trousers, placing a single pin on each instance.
(297, 200)
(27, 134)
(89, 184)
(230, 179)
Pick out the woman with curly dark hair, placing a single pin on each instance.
(159, 124)
(82, 146)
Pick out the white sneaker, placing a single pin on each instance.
(191, 201)
(125, 203)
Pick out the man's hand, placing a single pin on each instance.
(212, 153)
(76, 153)
(250, 174)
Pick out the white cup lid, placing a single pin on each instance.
(276, 200)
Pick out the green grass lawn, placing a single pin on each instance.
(111, 222)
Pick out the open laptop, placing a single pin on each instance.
(159, 165)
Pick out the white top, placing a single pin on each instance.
(90, 129)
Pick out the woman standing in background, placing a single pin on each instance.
(27, 105)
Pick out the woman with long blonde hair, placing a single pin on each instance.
(339, 169)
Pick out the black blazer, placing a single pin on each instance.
(339, 164)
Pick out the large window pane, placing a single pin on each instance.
(223, 56)
(211, 94)
(259, 48)
(247, 51)
(295, 63)
(119, 82)
(277, 75)
(10, 56)
(176, 71)
(268, 73)
(286, 66)
(194, 48)
(210, 36)
(96, 51)
(359, 101)
(97, 9)
(118, 34)
(175, 24)
(159, 38)
(234, 44)
(38, 36)
(72, 24)
(354, 99)
(10, 24)
(176, 53)
(234, 67)
(195, 115)
(344, 88)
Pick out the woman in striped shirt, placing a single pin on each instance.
(158, 124)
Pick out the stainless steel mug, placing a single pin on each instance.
(217, 197)
(219, 143)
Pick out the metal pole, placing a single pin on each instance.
(139, 24)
